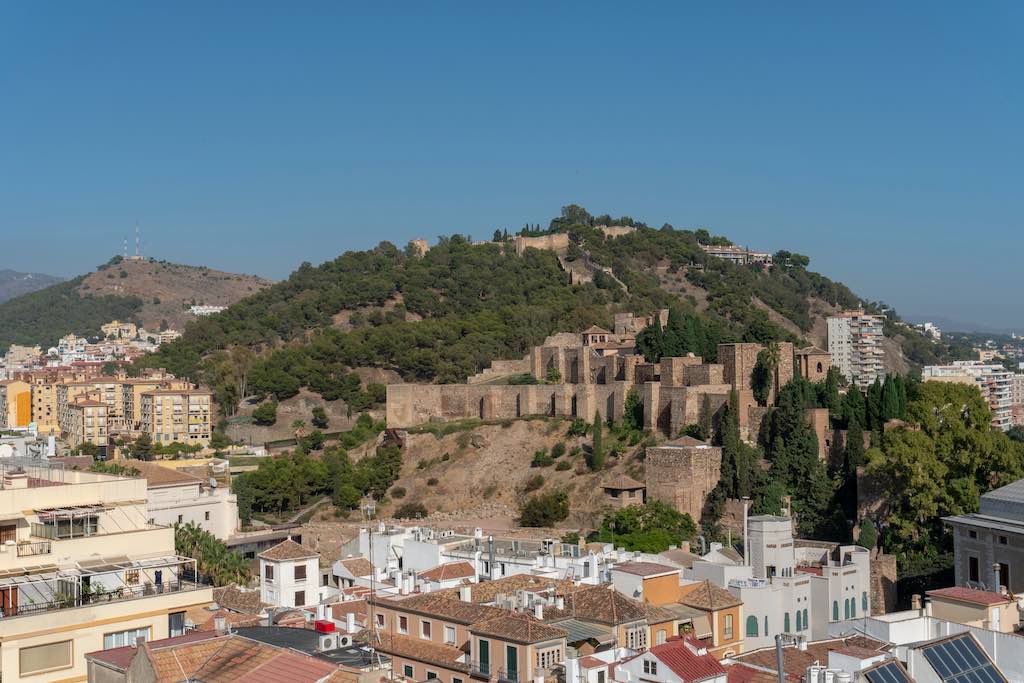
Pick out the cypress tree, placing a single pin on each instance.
(901, 393)
(853, 457)
(874, 402)
(890, 400)
(672, 344)
(705, 417)
(731, 476)
(854, 407)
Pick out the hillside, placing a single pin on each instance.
(149, 292)
(446, 314)
(13, 283)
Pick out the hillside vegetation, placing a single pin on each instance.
(155, 294)
(446, 315)
(13, 283)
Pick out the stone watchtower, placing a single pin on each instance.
(682, 472)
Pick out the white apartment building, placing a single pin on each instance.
(289, 575)
(176, 497)
(82, 569)
(855, 344)
(790, 587)
(995, 382)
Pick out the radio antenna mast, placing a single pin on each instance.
(138, 253)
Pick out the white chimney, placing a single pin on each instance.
(538, 610)
(350, 622)
(560, 602)
(927, 606)
(466, 594)
(220, 625)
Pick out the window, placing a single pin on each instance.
(512, 661)
(122, 638)
(799, 621)
(300, 598)
(268, 572)
(600, 677)
(403, 625)
(456, 680)
(807, 624)
(853, 608)
(380, 620)
(300, 572)
(176, 624)
(650, 667)
(1002, 540)
(864, 602)
(846, 609)
(972, 569)
(636, 638)
(484, 656)
(425, 629)
(207, 515)
(131, 577)
(785, 622)
(41, 658)
(659, 638)
(1004, 574)
(835, 610)
(431, 675)
(972, 533)
(727, 629)
(407, 671)
(449, 635)
(549, 657)
(181, 518)
(751, 626)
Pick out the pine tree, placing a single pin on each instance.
(672, 341)
(853, 457)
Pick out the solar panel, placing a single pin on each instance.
(889, 672)
(961, 660)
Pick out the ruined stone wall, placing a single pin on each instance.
(674, 368)
(710, 373)
(556, 242)
(616, 230)
(755, 418)
(813, 366)
(682, 476)
(738, 361)
(883, 583)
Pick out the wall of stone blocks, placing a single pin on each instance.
(682, 476)
(711, 373)
(556, 242)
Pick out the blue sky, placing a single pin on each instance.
(882, 139)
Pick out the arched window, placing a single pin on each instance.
(819, 367)
(853, 608)
(785, 622)
(751, 626)
(807, 624)
(864, 602)
(660, 637)
(799, 621)
(835, 610)
(846, 609)
(766, 624)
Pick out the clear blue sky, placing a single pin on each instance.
(882, 139)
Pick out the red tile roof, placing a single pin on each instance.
(972, 595)
(449, 572)
(288, 550)
(681, 656)
(741, 673)
(858, 652)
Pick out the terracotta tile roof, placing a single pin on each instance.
(288, 550)
(796, 661)
(709, 597)
(811, 350)
(687, 658)
(157, 476)
(235, 599)
(741, 673)
(519, 628)
(588, 662)
(357, 566)
(604, 605)
(360, 608)
(977, 597)
(681, 557)
(443, 606)
(644, 568)
(421, 650)
(449, 571)
(121, 657)
(858, 652)
(487, 591)
(205, 620)
(594, 329)
(623, 483)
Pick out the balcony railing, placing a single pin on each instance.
(481, 669)
(508, 675)
(70, 600)
(37, 548)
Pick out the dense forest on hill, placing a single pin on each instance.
(447, 314)
(44, 316)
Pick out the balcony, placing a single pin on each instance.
(37, 548)
(480, 670)
(508, 675)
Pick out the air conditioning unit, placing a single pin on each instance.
(344, 641)
(327, 642)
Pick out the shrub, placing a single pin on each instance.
(398, 492)
(558, 450)
(432, 481)
(546, 509)
(541, 459)
(562, 465)
(490, 491)
(410, 511)
(533, 483)
(265, 414)
(578, 428)
(320, 420)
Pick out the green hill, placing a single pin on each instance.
(445, 315)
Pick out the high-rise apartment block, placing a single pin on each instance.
(995, 382)
(855, 344)
(176, 416)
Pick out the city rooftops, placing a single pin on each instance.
(449, 571)
(645, 569)
(288, 550)
(88, 403)
(971, 595)
(158, 476)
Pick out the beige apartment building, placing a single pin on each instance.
(44, 404)
(86, 422)
(177, 415)
(131, 396)
(82, 570)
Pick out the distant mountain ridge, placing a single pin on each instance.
(14, 283)
(145, 291)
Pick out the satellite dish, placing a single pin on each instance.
(6, 450)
